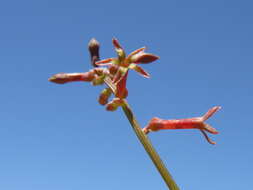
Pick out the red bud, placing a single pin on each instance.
(62, 78)
(104, 96)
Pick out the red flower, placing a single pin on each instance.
(131, 61)
(156, 124)
(62, 78)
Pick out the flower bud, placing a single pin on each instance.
(93, 47)
(104, 96)
(62, 78)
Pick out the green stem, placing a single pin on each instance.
(146, 142)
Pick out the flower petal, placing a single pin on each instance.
(144, 58)
(116, 44)
(207, 138)
(119, 50)
(136, 51)
(105, 62)
(140, 70)
(210, 112)
(121, 91)
(210, 129)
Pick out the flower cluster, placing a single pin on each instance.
(116, 69)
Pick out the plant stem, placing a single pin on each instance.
(146, 142)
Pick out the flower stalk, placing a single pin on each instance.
(143, 138)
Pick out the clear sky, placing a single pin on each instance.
(57, 137)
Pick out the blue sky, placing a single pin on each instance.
(58, 137)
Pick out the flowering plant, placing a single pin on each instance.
(114, 72)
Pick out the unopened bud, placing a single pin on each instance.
(104, 96)
(62, 78)
(93, 47)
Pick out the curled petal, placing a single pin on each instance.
(210, 112)
(207, 138)
(140, 70)
(143, 58)
(136, 52)
(105, 62)
(62, 78)
(210, 129)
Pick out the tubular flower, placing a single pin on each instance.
(157, 124)
(62, 78)
(131, 61)
(95, 76)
